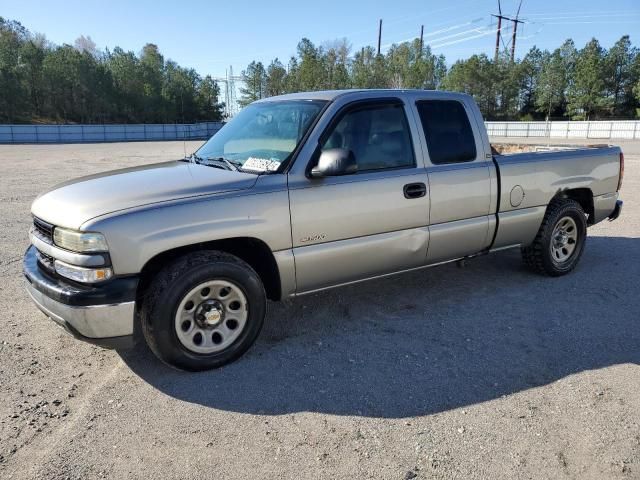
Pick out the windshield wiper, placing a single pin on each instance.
(226, 164)
(235, 166)
(194, 158)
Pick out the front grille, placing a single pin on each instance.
(43, 230)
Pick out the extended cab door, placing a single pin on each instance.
(461, 179)
(351, 227)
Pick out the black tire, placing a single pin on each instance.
(538, 256)
(169, 288)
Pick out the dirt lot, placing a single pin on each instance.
(482, 372)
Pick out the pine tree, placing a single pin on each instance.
(618, 76)
(586, 95)
(276, 81)
(254, 79)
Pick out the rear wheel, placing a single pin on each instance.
(560, 241)
(203, 311)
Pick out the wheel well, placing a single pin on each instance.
(584, 197)
(252, 250)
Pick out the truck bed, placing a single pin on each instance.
(515, 148)
(528, 181)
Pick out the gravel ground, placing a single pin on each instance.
(486, 371)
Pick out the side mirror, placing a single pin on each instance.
(334, 162)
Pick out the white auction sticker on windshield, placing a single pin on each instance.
(260, 164)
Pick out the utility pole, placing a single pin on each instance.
(379, 35)
(227, 100)
(421, 38)
(515, 21)
(229, 80)
(495, 56)
(515, 29)
(513, 38)
(498, 31)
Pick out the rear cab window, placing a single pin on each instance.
(447, 131)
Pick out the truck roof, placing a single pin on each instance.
(333, 94)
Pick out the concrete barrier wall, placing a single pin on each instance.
(106, 133)
(622, 129)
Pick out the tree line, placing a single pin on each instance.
(586, 83)
(42, 82)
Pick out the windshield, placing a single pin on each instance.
(262, 136)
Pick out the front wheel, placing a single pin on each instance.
(560, 241)
(203, 311)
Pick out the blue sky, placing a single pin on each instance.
(211, 35)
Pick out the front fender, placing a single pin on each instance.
(135, 237)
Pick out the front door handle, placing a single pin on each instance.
(414, 190)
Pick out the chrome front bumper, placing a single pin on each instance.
(93, 322)
(101, 315)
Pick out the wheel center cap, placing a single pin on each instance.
(209, 313)
(561, 239)
(212, 317)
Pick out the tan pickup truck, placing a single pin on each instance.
(296, 194)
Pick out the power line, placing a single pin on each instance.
(438, 32)
(579, 16)
(466, 39)
(601, 13)
(454, 27)
(594, 22)
(447, 37)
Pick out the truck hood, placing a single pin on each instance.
(72, 203)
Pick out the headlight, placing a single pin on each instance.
(79, 241)
(82, 274)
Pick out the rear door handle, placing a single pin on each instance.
(414, 190)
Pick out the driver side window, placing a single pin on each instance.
(378, 135)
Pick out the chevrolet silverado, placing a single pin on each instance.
(296, 194)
